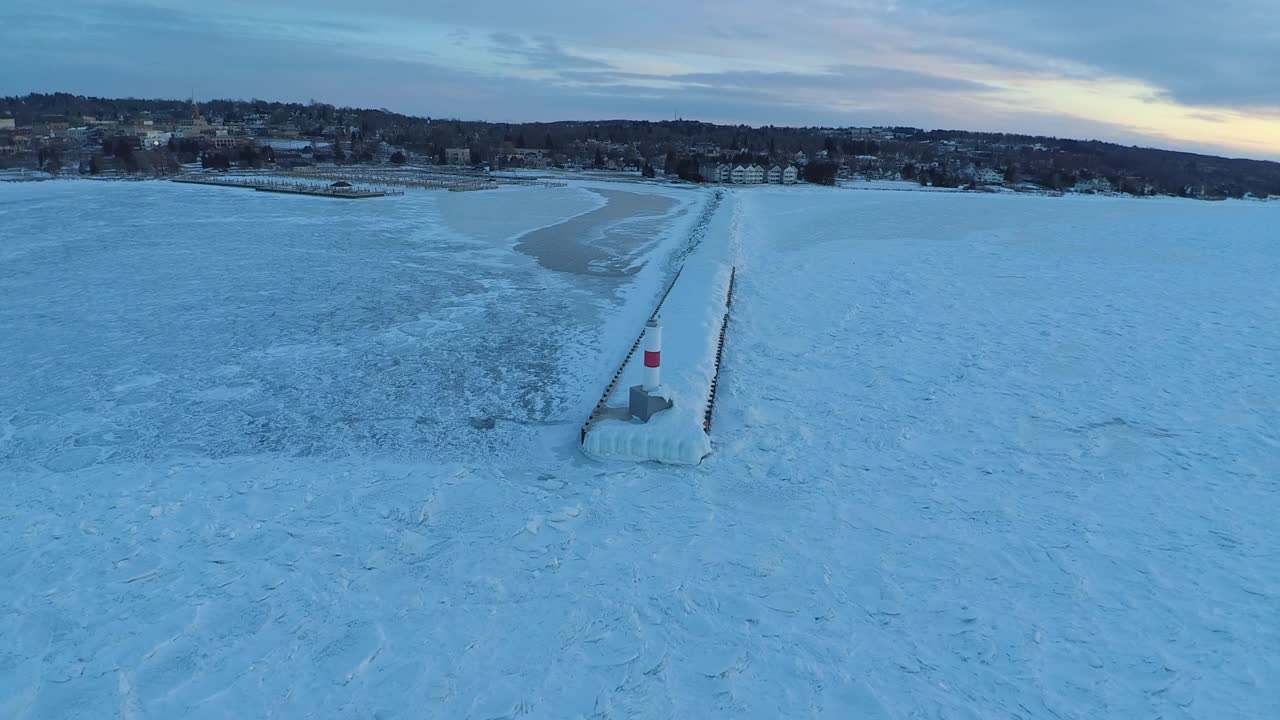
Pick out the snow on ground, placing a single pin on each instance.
(1025, 447)
(976, 456)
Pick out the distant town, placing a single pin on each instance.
(63, 134)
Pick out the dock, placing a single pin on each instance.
(344, 190)
(433, 178)
(365, 182)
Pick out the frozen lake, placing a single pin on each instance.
(975, 456)
(145, 320)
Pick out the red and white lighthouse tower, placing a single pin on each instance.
(652, 355)
(646, 399)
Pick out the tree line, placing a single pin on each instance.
(940, 157)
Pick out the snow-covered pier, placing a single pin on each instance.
(694, 312)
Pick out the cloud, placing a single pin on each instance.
(1224, 53)
(835, 78)
(840, 78)
(840, 95)
(543, 53)
(507, 40)
(1172, 73)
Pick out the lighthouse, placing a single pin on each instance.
(648, 399)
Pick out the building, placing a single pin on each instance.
(981, 175)
(154, 138)
(746, 174)
(7, 124)
(1094, 185)
(774, 175)
(523, 157)
(790, 175)
(457, 156)
(256, 122)
(717, 173)
(191, 127)
(224, 142)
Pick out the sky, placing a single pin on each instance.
(1178, 74)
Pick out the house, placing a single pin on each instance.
(716, 173)
(256, 121)
(457, 156)
(509, 156)
(774, 175)
(981, 175)
(989, 176)
(790, 175)
(738, 175)
(1094, 185)
(754, 175)
(533, 157)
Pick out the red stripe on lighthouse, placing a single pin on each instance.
(652, 359)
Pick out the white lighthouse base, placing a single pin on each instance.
(673, 436)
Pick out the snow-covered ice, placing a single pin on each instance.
(209, 322)
(975, 456)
